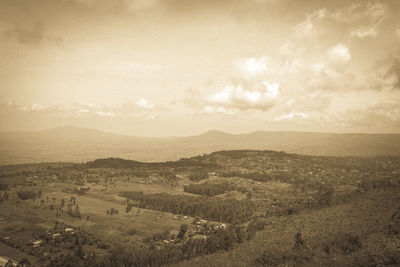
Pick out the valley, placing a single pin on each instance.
(226, 208)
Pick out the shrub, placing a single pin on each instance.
(132, 231)
(271, 259)
(348, 243)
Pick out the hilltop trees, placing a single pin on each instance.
(112, 211)
(76, 213)
(183, 231)
(26, 194)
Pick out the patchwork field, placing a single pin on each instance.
(229, 208)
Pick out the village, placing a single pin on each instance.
(48, 212)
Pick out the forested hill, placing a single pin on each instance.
(72, 144)
(261, 165)
(118, 163)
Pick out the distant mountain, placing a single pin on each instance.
(80, 144)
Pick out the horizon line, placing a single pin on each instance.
(198, 134)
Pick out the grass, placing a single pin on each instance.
(95, 206)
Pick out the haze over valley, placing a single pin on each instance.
(238, 133)
(72, 144)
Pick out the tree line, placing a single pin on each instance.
(224, 210)
(208, 189)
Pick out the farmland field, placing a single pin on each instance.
(236, 208)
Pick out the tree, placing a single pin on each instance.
(325, 196)
(128, 207)
(79, 252)
(298, 241)
(183, 231)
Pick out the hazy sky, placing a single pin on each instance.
(182, 67)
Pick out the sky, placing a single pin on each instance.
(179, 67)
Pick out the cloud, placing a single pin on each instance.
(301, 82)
(369, 20)
(375, 14)
(144, 104)
(384, 75)
(211, 110)
(363, 32)
(339, 53)
(83, 110)
(304, 28)
(33, 107)
(360, 20)
(238, 97)
(250, 67)
(292, 116)
(376, 116)
(32, 35)
(393, 74)
(105, 114)
(127, 5)
(140, 108)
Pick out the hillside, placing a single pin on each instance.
(79, 144)
(226, 208)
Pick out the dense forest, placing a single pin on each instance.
(226, 210)
(208, 189)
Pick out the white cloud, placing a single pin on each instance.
(292, 116)
(339, 53)
(104, 114)
(217, 110)
(304, 28)
(83, 110)
(250, 67)
(140, 108)
(286, 49)
(272, 89)
(143, 103)
(33, 107)
(237, 97)
(363, 32)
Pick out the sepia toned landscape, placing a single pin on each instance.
(204, 133)
(231, 207)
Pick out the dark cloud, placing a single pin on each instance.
(33, 35)
(395, 72)
(385, 115)
(385, 74)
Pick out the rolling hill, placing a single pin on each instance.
(81, 144)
